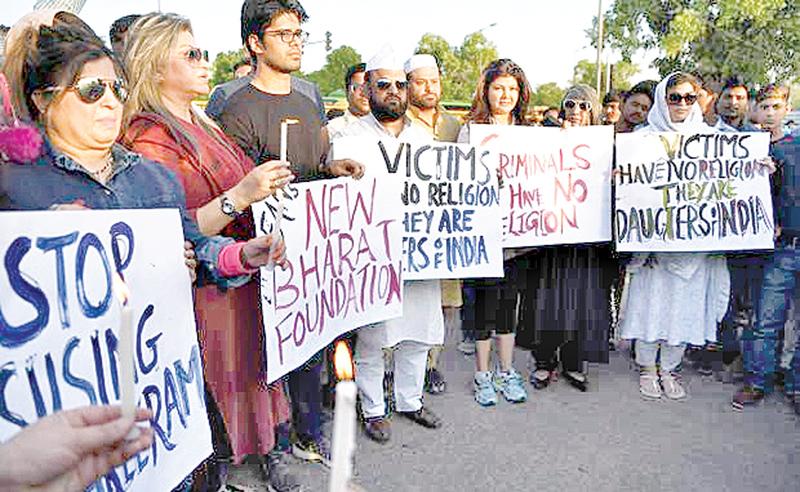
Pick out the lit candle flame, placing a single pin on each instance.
(290, 121)
(120, 289)
(343, 362)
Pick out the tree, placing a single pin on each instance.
(222, 68)
(756, 39)
(331, 76)
(585, 72)
(461, 66)
(549, 94)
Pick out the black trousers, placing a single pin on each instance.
(545, 352)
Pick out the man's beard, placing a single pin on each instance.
(421, 103)
(388, 112)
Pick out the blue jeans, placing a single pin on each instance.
(760, 345)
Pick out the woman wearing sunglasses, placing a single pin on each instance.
(501, 98)
(75, 89)
(565, 307)
(672, 298)
(221, 183)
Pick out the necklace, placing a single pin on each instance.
(105, 169)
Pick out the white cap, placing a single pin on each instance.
(420, 61)
(385, 59)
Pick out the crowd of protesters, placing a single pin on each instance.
(118, 129)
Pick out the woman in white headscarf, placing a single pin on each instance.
(673, 298)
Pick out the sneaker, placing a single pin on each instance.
(485, 393)
(279, 478)
(314, 451)
(648, 384)
(511, 385)
(466, 347)
(672, 386)
(748, 396)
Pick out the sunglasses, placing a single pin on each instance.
(584, 105)
(196, 55)
(91, 90)
(676, 98)
(384, 84)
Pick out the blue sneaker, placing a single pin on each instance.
(485, 394)
(511, 385)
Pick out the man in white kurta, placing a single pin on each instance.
(422, 323)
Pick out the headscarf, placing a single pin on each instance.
(658, 120)
(583, 92)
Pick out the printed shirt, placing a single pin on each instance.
(446, 127)
(56, 179)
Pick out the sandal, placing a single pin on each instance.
(540, 378)
(576, 380)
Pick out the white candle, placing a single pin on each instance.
(344, 422)
(285, 137)
(125, 344)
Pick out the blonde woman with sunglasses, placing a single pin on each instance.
(221, 183)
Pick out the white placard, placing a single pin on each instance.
(343, 247)
(450, 200)
(59, 322)
(556, 182)
(692, 192)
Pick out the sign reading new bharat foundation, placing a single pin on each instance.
(344, 265)
(692, 192)
(450, 199)
(59, 331)
(556, 182)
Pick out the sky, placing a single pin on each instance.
(546, 38)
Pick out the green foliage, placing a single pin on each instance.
(331, 76)
(756, 39)
(222, 68)
(461, 66)
(585, 72)
(549, 94)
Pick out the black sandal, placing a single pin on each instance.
(579, 384)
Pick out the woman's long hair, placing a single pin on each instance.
(147, 52)
(583, 92)
(480, 111)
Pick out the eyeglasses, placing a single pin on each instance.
(288, 36)
(91, 90)
(384, 84)
(196, 55)
(675, 98)
(584, 105)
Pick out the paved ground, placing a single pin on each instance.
(563, 440)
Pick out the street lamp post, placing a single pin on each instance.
(599, 44)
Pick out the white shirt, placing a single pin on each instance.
(338, 124)
(422, 319)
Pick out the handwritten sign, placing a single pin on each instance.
(59, 330)
(692, 192)
(343, 240)
(451, 201)
(557, 183)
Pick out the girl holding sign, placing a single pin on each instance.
(565, 307)
(672, 298)
(501, 98)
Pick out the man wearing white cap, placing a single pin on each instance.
(424, 95)
(422, 324)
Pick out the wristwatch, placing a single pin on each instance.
(228, 207)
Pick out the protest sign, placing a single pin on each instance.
(692, 192)
(556, 182)
(450, 198)
(59, 328)
(344, 266)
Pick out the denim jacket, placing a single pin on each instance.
(787, 203)
(56, 179)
